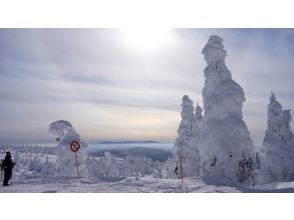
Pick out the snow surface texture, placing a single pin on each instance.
(225, 144)
(277, 151)
(66, 159)
(185, 149)
(146, 184)
(31, 177)
(35, 162)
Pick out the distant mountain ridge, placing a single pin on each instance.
(129, 142)
(154, 154)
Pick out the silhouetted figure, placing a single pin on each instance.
(7, 165)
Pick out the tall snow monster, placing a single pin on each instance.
(226, 149)
(66, 159)
(277, 152)
(185, 150)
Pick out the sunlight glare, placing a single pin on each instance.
(147, 39)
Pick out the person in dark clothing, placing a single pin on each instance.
(7, 165)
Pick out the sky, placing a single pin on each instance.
(127, 84)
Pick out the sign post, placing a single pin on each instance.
(75, 147)
(182, 160)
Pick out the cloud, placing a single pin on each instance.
(94, 79)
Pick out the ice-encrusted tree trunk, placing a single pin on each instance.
(277, 152)
(66, 159)
(225, 144)
(185, 150)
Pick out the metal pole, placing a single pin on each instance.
(77, 164)
(1, 169)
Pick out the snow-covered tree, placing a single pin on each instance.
(92, 166)
(17, 160)
(108, 163)
(106, 166)
(168, 169)
(66, 159)
(277, 151)
(225, 139)
(185, 150)
(158, 173)
(45, 168)
(130, 166)
(192, 165)
(48, 168)
(35, 164)
(198, 114)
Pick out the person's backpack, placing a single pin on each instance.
(7, 164)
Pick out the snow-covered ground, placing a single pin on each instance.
(146, 184)
(28, 177)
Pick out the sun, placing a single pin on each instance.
(146, 38)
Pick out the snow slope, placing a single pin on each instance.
(146, 184)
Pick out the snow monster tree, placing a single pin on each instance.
(66, 159)
(277, 151)
(185, 150)
(226, 149)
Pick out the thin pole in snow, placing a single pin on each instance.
(1, 162)
(77, 164)
(181, 169)
(182, 173)
(75, 146)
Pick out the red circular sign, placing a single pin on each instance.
(75, 146)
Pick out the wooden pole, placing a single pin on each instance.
(77, 164)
